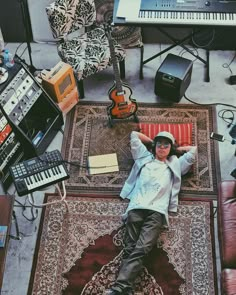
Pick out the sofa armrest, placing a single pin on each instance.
(228, 281)
(227, 223)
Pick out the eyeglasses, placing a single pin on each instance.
(164, 144)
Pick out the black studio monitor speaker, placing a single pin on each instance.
(173, 77)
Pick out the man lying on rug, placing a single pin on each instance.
(152, 187)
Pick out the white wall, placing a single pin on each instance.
(39, 21)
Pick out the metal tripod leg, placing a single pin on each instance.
(176, 42)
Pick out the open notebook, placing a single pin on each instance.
(103, 163)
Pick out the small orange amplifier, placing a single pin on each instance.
(59, 81)
(70, 100)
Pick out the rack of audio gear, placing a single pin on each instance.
(29, 119)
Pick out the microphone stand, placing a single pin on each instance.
(25, 18)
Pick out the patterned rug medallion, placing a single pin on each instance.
(79, 251)
(87, 133)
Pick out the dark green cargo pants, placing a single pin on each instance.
(142, 231)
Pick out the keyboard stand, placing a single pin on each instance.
(176, 43)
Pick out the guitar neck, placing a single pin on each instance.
(115, 66)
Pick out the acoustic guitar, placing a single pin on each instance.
(123, 106)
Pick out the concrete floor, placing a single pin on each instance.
(218, 92)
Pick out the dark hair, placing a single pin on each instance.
(172, 148)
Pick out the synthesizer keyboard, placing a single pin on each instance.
(42, 171)
(184, 12)
(184, 18)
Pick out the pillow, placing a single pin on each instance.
(182, 132)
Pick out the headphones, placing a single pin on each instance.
(154, 146)
(1, 60)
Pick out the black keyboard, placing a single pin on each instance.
(33, 174)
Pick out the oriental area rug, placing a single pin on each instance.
(87, 133)
(79, 250)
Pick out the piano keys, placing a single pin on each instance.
(184, 18)
(182, 12)
(45, 177)
(39, 172)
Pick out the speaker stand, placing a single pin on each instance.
(25, 18)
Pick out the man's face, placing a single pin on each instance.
(163, 147)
